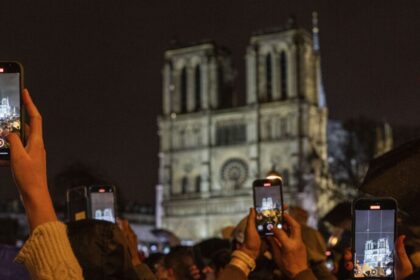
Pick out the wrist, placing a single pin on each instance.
(241, 265)
(252, 254)
(34, 193)
(243, 261)
(39, 208)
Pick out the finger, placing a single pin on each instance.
(295, 232)
(400, 248)
(35, 119)
(16, 147)
(251, 228)
(274, 247)
(281, 236)
(27, 129)
(273, 241)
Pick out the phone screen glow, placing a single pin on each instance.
(9, 108)
(268, 207)
(374, 243)
(102, 206)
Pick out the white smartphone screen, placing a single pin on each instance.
(374, 243)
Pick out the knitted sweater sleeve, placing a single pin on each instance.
(47, 254)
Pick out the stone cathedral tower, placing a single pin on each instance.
(210, 151)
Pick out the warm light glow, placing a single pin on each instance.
(101, 190)
(273, 177)
(1, 70)
(375, 207)
(332, 241)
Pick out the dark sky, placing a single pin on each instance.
(94, 68)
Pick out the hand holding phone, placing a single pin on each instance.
(11, 117)
(92, 202)
(374, 235)
(268, 203)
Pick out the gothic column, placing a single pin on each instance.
(167, 86)
(275, 77)
(205, 173)
(176, 93)
(262, 94)
(213, 83)
(251, 76)
(204, 84)
(292, 73)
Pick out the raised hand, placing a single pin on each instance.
(289, 251)
(29, 170)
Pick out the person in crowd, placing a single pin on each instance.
(288, 252)
(47, 253)
(314, 243)
(106, 251)
(213, 253)
(156, 263)
(180, 265)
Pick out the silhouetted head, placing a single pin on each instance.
(101, 249)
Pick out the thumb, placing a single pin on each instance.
(251, 219)
(16, 147)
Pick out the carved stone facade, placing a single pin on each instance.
(210, 152)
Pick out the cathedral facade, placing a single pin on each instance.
(211, 151)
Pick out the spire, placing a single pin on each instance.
(322, 101)
(315, 32)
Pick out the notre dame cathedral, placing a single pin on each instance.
(211, 151)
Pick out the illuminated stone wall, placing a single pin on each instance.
(210, 153)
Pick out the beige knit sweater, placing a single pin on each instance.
(47, 254)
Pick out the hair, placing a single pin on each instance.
(180, 259)
(101, 250)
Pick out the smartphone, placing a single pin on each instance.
(374, 234)
(102, 203)
(268, 204)
(92, 202)
(11, 117)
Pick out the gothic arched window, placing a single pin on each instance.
(268, 77)
(197, 78)
(283, 75)
(198, 184)
(184, 184)
(183, 88)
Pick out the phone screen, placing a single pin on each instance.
(268, 205)
(10, 119)
(374, 243)
(102, 205)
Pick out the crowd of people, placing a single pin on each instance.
(93, 249)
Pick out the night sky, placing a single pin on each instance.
(94, 69)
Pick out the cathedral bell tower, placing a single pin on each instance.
(195, 78)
